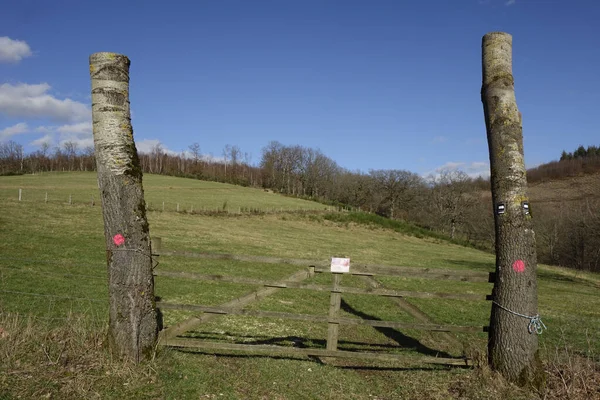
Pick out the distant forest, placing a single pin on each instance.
(582, 161)
(450, 202)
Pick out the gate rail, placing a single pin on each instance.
(333, 319)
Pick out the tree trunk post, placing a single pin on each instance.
(133, 325)
(514, 321)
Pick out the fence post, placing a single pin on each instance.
(513, 342)
(156, 244)
(20, 191)
(334, 310)
(70, 199)
(133, 325)
(163, 206)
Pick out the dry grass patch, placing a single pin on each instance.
(68, 361)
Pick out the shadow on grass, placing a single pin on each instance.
(474, 265)
(287, 341)
(564, 278)
(403, 340)
(318, 360)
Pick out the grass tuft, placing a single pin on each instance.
(70, 361)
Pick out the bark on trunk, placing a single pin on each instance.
(512, 347)
(133, 325)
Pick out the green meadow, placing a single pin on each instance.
(53, 300)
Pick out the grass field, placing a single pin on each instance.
(54, 346)
(191, 195)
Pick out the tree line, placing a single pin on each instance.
(450, 202)
(581, 152)
(582, 161)
(67, 157)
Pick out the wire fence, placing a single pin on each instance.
(55, 296)
(187, 206)
(53, 274)
(53, 262)
(69, 317)
(43, 290)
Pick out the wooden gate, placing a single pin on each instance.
(169, 336)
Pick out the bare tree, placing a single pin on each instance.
(195, 150)
(157, 157)
(71, 153)
(397, 188)
(11, 156)
(450, 200)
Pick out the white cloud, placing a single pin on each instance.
(45, 129)
(146, 146)
(79, 133)
(13, 51)
(44, 139)
(510, 2)
(450, 165)
(24, 100)
(81, 141)
(81, 127)
(473, 169)
(16, 129)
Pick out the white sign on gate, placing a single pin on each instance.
(340, 264)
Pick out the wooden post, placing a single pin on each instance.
(513, 342)
(156, 244)
(20, 192)
(163, 206)
(334, 311)
(133, 325)
(177, 207)
(70, 199)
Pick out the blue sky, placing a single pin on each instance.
(373, 84)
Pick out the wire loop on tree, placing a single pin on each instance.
(535, 322)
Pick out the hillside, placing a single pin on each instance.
(557, 192)
(566, 220)
(52, 265)
(565, 190)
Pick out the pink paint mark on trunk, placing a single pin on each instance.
(118, 239)
(519, 266)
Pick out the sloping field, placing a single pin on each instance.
(52, 268)
(190, 194)
(567, 189)
(552, 193)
